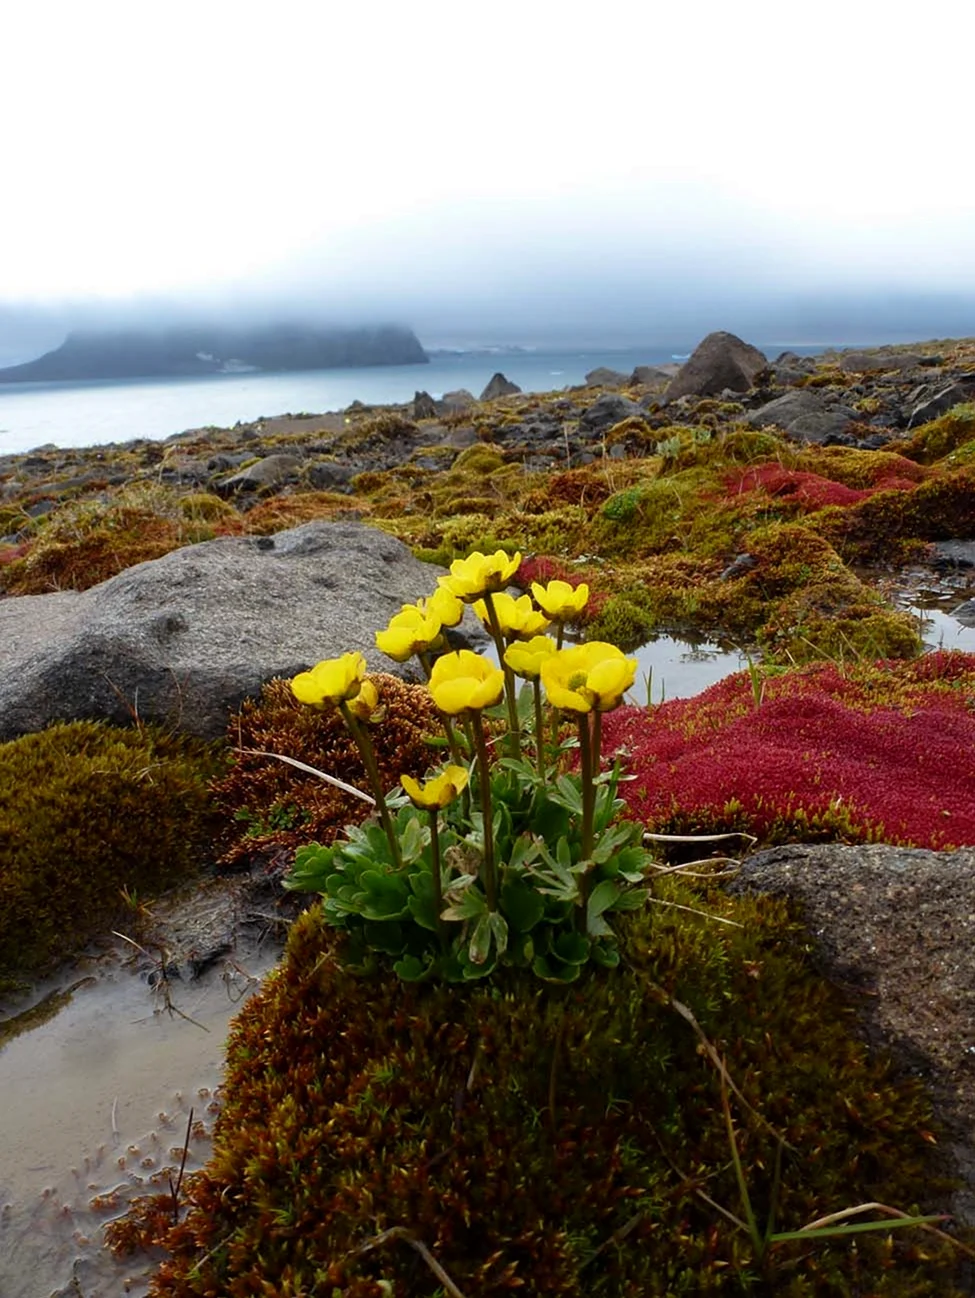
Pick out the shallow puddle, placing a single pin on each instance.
(97, 1090)
(678, 669)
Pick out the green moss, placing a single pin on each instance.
(624, 620)
(564, 1143)
(203, 505)
(934, 440)
(482, 460)
(819, 622)
(85, 811)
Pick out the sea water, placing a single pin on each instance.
(94, 413)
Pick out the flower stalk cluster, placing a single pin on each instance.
(500, 859)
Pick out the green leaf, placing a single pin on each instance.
(387, 937)
(413, 838)
(633, 899)
(610, 841)
(605, 954)
(525, 849)
(554, 971)
(499, 931)
(386, 895)
(423, 910)
(563, 853)
(470, 906)
(480, 944)
(523, 906)
(413, 970)
(602, 897)
(568, 794)
(571, 947)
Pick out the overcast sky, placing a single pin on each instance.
(469, 167)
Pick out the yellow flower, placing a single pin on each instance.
(465, 682)
(560, 601)
(365, 702)
(525, 657)
(442, 604)
(411, 631)
(438, 792)
(588, 676)
(480, 574)
(518, 618)
(333, 680)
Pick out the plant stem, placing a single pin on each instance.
(587, 775)
(539, 729)
(484, 772)
(361, 736)
(437, 879)
(514, 734)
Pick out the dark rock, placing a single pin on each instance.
(606, 411)
(720, 361)
(965, 613)
(424, 406)
(874, 442)
(741, 564)
(650, 375)
(601, 377)
(927, 405)
(807, 414)
(182, 640)
(898, 923)
(271, 471)
(867, 362)
(326, 475)
(453, 402)
(499, 386)
(953, 554)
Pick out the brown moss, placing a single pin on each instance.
(560, 1143)
(270, 807)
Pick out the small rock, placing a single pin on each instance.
(271, 471)
(499, 386)
(453, 402)
(607, 410)
(601, 377)
(424, 406)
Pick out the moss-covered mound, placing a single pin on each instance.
(86, 811)
(550, 1142)
(876, 752)
(270, 805)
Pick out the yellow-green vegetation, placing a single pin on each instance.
(935, 440)
(567, 1142)
(87, 811)
(87, 541)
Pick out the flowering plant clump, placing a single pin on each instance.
(506, 856)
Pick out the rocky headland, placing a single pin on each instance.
(197, 350)
(778, 503)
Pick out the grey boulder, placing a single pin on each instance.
(607, 410)
(182, 640)
(899, 924)
(721, 361)
(930, 403)
(806, 414)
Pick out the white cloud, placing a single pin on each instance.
(168, 147)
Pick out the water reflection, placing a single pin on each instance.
(672, 668)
